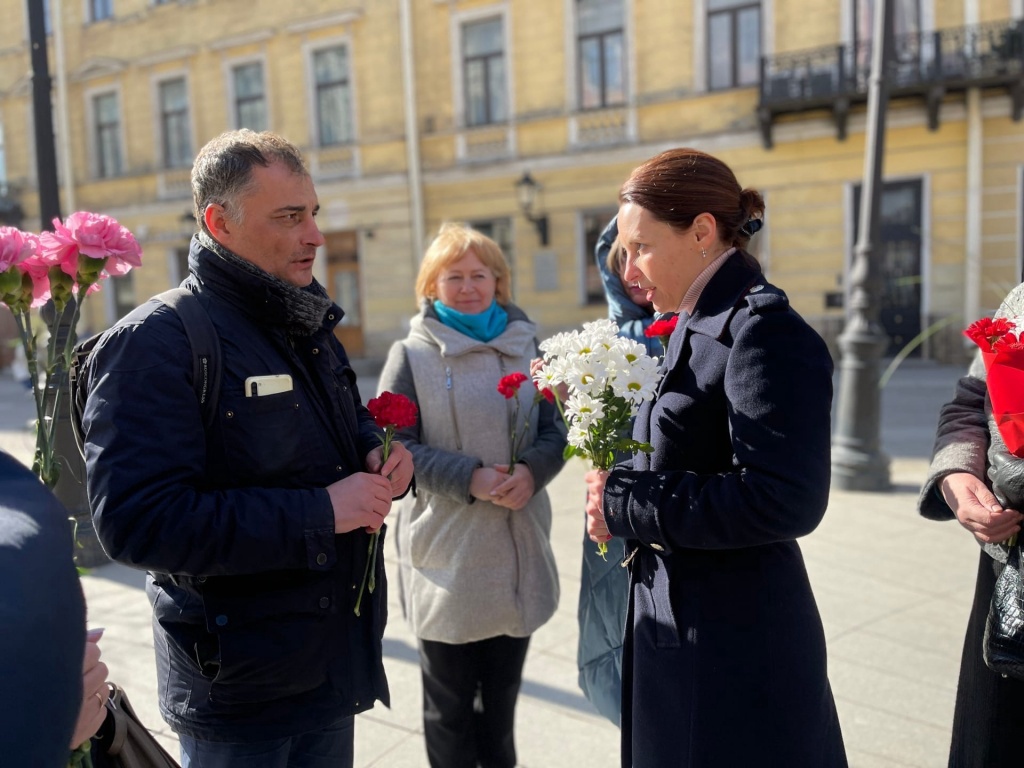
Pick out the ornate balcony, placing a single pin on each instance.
(926, 65)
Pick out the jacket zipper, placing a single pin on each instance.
(451, 404)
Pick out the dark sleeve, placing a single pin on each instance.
(778, 384)
(42, 613)
(961, 441)
(545, 456)
(632, 320)
(145, 450)
(446, 473)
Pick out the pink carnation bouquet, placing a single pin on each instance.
(62, 267)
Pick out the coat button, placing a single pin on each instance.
(222, 620)
(330, 316)
(316, 350)
(325, 602)
(295, 406)
(201, 579)
(339, 468)
(229, 415)
(321, 559)
(657, 546)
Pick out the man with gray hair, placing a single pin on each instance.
(255, 529)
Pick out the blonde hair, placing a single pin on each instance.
(451, 244)
(616, 258)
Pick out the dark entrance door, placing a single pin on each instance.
(900, 244)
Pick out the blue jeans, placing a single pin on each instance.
(329, 747)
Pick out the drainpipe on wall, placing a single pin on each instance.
(972, 256)
(63, 131)
(972, 223)
(412, 136)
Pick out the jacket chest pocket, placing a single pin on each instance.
(264, 437)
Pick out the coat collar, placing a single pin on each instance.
(715, 306)
(722, 293)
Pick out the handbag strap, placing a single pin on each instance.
(120, 718)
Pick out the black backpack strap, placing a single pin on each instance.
(205, 343)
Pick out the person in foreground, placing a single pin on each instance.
(989, 707)
(604, 584)
(724, 659)
(478, 574)
(255, 531)
(51, 700)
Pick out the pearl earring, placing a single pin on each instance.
(703, 253)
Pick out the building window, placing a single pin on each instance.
(483, 70)
(333, 95)
(123, 295)
(101, 9)
(734, 43)
(906, 23)
(602, 60)
(107, 127)
(177, 144)
(250, 99)
(3, 164)
(593, 226)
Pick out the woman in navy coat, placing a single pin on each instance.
(724, 658)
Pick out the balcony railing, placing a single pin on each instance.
(926, 64)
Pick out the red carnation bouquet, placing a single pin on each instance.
(1002, 349)
(509, 386)
(662, 329)
(391, 412)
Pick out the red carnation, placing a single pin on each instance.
(390, 411)
(987, 331)
(509, 385)
(662, 329)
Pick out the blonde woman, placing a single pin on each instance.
(477, 572)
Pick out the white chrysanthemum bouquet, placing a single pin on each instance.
(607, 377)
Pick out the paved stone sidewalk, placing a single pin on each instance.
(894, 591)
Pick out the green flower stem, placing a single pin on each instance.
(370, 574)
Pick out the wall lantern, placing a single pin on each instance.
(526, 190)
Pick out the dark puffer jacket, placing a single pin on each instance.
(252, 591)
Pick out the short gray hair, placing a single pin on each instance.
(222, 171)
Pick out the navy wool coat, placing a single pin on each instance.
(724, 661)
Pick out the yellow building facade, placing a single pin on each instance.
(415, 112)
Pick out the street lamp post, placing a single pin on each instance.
(70, 488)
(858, 463)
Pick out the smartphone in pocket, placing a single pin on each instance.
(260, 386)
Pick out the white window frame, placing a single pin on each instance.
(87, 14)
(92, 135)
(572, 71)
(229, 81)
(701, 77)
(156, 81)
(458, 20)
(309, 53)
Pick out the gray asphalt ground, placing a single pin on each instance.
(894, 592)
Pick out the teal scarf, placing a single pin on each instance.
(482, 327)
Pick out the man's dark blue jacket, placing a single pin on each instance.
(252, 591)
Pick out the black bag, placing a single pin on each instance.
(202, 337)
(123, 741)
(1003, 646)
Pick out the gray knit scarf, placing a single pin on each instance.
(305, 307)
